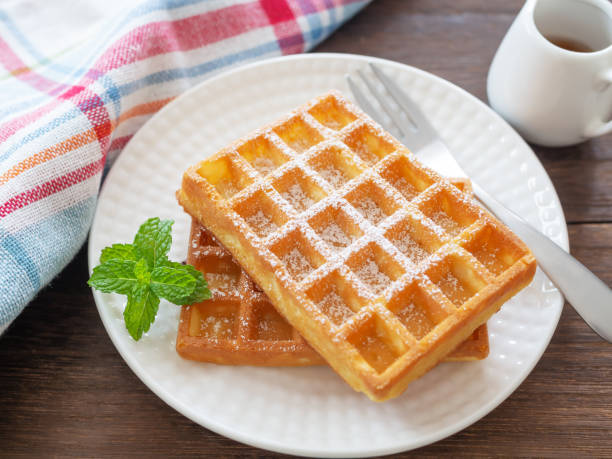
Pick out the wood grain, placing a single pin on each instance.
(64, 389)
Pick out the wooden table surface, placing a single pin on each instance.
(64, 389)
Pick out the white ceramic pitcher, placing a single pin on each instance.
(553, 95)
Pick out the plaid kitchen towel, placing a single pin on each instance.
(77, 79)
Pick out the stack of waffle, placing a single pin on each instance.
(325, 240)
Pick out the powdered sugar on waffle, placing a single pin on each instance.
(221, 281)
(335, 236)
(370, 273)
(334, 306)
(407, 189)
(370, 209)
(297, 264)
(333, 175)
(263, 165)
(216, 328)
(297, 197)
(443, 220)
(409, 247)
(261, 222)
(453, 289)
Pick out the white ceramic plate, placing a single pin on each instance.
(311, 411)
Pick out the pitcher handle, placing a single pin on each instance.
(599, 127)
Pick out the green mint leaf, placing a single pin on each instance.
(152, 241)
(173, 264)
(118, 251)
(173, 284)
(114, 276)
(201, 291)
(140, 310)
(141, 270)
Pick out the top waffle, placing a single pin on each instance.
(381, 264)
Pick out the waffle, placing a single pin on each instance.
(381, 264)
(239, 326)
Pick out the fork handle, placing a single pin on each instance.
(587, 293)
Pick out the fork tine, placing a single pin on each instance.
(363, 101)
(411, 109)
(400, 123)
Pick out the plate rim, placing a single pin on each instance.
(249, 439)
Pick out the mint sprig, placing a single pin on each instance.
(143, 272)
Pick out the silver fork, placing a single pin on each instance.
(588, 294)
